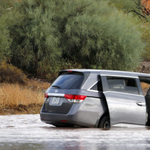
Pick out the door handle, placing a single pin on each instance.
(140, 103)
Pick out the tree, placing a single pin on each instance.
(97, 35)
(35, 36)
(92, 33)
(141, 9)
(5, 40)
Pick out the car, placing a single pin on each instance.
(96, 98)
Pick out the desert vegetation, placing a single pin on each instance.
(17, 99)
(19, 94)
(43, 37)
(39, 38)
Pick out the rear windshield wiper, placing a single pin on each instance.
(56, 86)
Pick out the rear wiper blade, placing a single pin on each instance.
(56, 86)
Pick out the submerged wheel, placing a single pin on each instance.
(62, 125)
(148, 121)
(105, 122)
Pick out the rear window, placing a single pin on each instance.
(68, 81)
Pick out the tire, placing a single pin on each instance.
(148, 120)
(105, 122)
(62, 125)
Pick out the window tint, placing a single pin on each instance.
(68, 81)
(127, 85)
(97, 86)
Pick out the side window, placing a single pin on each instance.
(97, 86)
(126, 85)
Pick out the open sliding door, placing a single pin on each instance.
(125, 103)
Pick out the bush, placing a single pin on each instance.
(128, 6)
(35, 36)
(11, 74)
(97, 35)
(50, 69)
(146, 39)
(139, 8)
(91, 33)
(5, 40)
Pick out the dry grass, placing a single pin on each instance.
(16, 97)
(37, 84)
(11, 74)
(18, 94)
(28, 99)
(145, 85)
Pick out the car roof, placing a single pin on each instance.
(109, 72)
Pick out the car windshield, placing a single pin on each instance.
(68, 81)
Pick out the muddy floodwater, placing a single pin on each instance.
(27, 132)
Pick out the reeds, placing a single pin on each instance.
(13, 96)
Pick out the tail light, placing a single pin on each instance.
(75, 98)
(46, 95)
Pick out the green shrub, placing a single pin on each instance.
(50, 69)
(97, 35)
(146, 39)
(91, 33)
(127, 6)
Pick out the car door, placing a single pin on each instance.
(125, 102)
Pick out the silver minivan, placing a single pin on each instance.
(96, 98)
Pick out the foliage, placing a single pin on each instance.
(126, 6)
(139, 8)
(5, 5)
(5, 40)
(98, 36)
(46, 36)
(35, 36)
(51, 70)
(146, 39)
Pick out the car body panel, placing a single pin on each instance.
(121, 107)
(124, 107)
(85, 114)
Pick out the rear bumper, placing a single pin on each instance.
(61, 119)
(85, 114)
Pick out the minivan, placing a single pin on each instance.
(96, 98)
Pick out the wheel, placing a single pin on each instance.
(148, 120)
(105, 122)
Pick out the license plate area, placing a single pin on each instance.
(54, 101)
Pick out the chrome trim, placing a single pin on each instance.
(56, 94)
